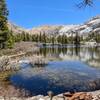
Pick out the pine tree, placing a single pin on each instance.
(10, 41)
(53, 40)
(44, 37)
(66, 41)
(77, 39)
(4, 32)
(40, 37)
(59, 39)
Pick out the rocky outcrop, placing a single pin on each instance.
(93, 25)
(64, 96)
(15, 28)
(47, 29)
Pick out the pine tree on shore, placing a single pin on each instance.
(4, 32)
(10, 40)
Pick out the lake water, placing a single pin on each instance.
(69, 69)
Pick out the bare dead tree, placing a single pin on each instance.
(85, 3)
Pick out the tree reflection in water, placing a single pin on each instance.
(88, 55)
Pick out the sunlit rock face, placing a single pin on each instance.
(15, 28)
(46, 29)
(68, 30)
(92, 25)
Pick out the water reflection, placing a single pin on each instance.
(88, 55)
(57, 76)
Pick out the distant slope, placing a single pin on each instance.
(15, 28)
(47, 29)
(93, 25)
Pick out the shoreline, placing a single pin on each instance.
(94, 95)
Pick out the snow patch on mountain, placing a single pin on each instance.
(92, 25)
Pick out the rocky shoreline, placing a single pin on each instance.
(95, 95)
(9, 58)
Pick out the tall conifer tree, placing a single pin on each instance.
(3, 23)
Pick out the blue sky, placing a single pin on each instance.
(30, 13)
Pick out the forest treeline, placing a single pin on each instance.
(56, 39)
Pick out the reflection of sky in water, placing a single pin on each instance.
(58, 76)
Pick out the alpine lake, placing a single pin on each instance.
(70, 68)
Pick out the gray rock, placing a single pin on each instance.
(1, 98)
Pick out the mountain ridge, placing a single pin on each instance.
(92, 25)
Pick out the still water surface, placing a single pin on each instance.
(70, 69)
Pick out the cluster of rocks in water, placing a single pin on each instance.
(64, 96)
(69, 96)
